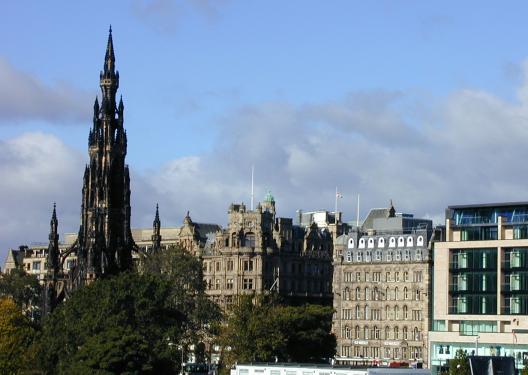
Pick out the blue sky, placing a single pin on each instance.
(420, 102)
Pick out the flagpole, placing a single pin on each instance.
(357, 218)
(335, 212)
(252, 191)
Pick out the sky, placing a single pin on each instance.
(424, 103)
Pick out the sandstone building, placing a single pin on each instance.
(381, 285)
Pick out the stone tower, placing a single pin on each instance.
(53, 288)
(104, 245)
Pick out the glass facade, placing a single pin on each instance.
(489, 215)
(515, 281)
(473, 281)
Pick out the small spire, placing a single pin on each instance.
(109, 56)
(121, 106)
(54, 214)
(156, 218)
(392, 211)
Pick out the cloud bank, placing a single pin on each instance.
(467, 148)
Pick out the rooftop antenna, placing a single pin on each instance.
(252, 185)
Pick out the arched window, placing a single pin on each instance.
(368, 256)
(356, 332)
(396, 333)
(346, 294)
(387, 312)
(371, 243)
(387, 333)
(366, 330)
(392, 242)
(376, 333)
(416, 334)
(358, 313)
(358, 294)
(381, 242)
(234, 240)
(361, 243)
(405, 333)
(347, 332)
(417, 295)
(350, 243)
(359, 256)
(376, 294)
(401, 242)
(367, 313)
(406, 276)
(409, 241)
(405, 293)
(396, 294)
(420, 241)
(396, 313)
(387, 294)
(405, 312)
(367, 291)
(249, 240)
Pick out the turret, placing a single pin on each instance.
(52, 258)
(156, 231)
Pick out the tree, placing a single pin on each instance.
(460, 364)
(308, 333)
(16, 336)
(24, 289)
(260, 329)
(123, 324)
(184, 272)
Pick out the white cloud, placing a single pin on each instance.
(469, 148)
(24, 97)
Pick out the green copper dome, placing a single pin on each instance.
(269, 198)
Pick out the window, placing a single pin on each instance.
(397, 277)
(381, 242)
(396, 294)
(36, 266)
(396, 313)
(392, 242)
(389, 256)
(371, 243)
(350, 243)
(376, 314)
(358, 294)
(367, 294)
(368, 256)
(359, 256)
(218, 265)
(70, 264)
(387, 294)
(347, 333)
(358, 277)
(405, 293)
(349, 256)
(417, 315)
(418, 254)
(417, 295)
(218, 284)
(346, 294)
(230, 265)
(387, 312)
(367, 276)
(248, 284)
(417, 276)
(348, 277)
(248, 265)
(409, 241)
(249, 240)
(376, 294)
(387, 277)
(420, 241)
(362, 243)
(367, 313)
(366, 330)
(398, 255)
(376, 276)
(378, 255)
(416, 334)
(387, 333)
(358, 312)
(356, 332)
(229, 284)
(406, 255)
(406, 276)
(396, 333)
(376, 333)
(401, 242)
(405, 333)
(405, 313)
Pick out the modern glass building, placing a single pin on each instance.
(480, 284)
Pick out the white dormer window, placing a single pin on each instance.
(359, 256)
(409, 241)
(392, 242)
(368, 256)
(398, 255)
(401, 242)
(371, 243)
(350, 243)
(419, 241)
(362, 243)
(381, 242)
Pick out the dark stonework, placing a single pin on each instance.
(104, 244)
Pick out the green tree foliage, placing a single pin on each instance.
(24, 289)
(185, 274)
(123, 324)
(16, 337)
(460, 364)
(265, 331)
(524, 371)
